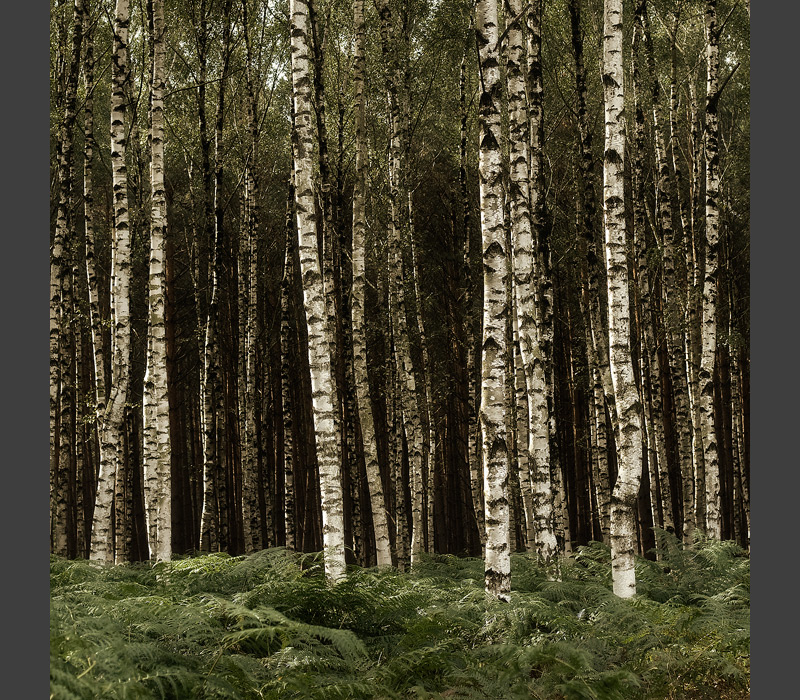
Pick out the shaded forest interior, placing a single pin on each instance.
(180, 320)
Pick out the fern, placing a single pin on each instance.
(270, 626)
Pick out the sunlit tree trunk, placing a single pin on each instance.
(319, 331)
(102, 546)
(524, 289)
(156, 443)
(629, 446)
(382, 544)
(709, 322)
(495, 307)
(542, 275)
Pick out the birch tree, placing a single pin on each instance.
(156, 400)
(374, 482)
(709, 319)
(524, 289)
(62, 395)
(495, 278)
(629, 445)
(319, 331)
(102, 547)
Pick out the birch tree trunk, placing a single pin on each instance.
(673, 289)
(248, 276)
(629, 446)
(215, 521)
(524, 288)
(287, 284)
(495, 308)
(709, 322)
(473, 463)
(383, 551)
(319, 331)
(113, 423)
(651, 375)
(98, 353)
(542, 277)
(156, 447)
(694, 342)
(596, 341)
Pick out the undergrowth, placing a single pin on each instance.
(268, 626)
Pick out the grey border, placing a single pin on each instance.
(25, 187)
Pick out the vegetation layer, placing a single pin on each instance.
(269, 626)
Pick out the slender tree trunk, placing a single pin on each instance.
(113, 423)
(596, 340)
(473, 462)
(495, 307)
(382, 545)
(319, 331)
(629, 446)
(250, 514)
(156, 448)
(709, 319)
(61, 384)
(651, 375)
(694, 312)
(215, 519)
(98, 347)
(287, 285)
(524, 289)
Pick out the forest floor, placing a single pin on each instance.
(268, 626)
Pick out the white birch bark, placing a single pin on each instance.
(102, 546)
(596, 341)
(248, 309)
(675, 285)
(98, 353)
(473, 461)
(660, 492)
(709, 319)
(383, 551)
(694, 343)
(629, 446)
(524, 289)
(156, 452)
(495, 308)
(287, 284)
(319, 332)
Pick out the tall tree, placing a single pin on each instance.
(319, 331)
(374, 481)
(112, 426)
(156, 435)
(495, 307)
(709, 322)
(524, 289)
(629, 441)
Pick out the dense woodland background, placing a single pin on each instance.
(243, 464)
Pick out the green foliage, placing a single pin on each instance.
(269, 626)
